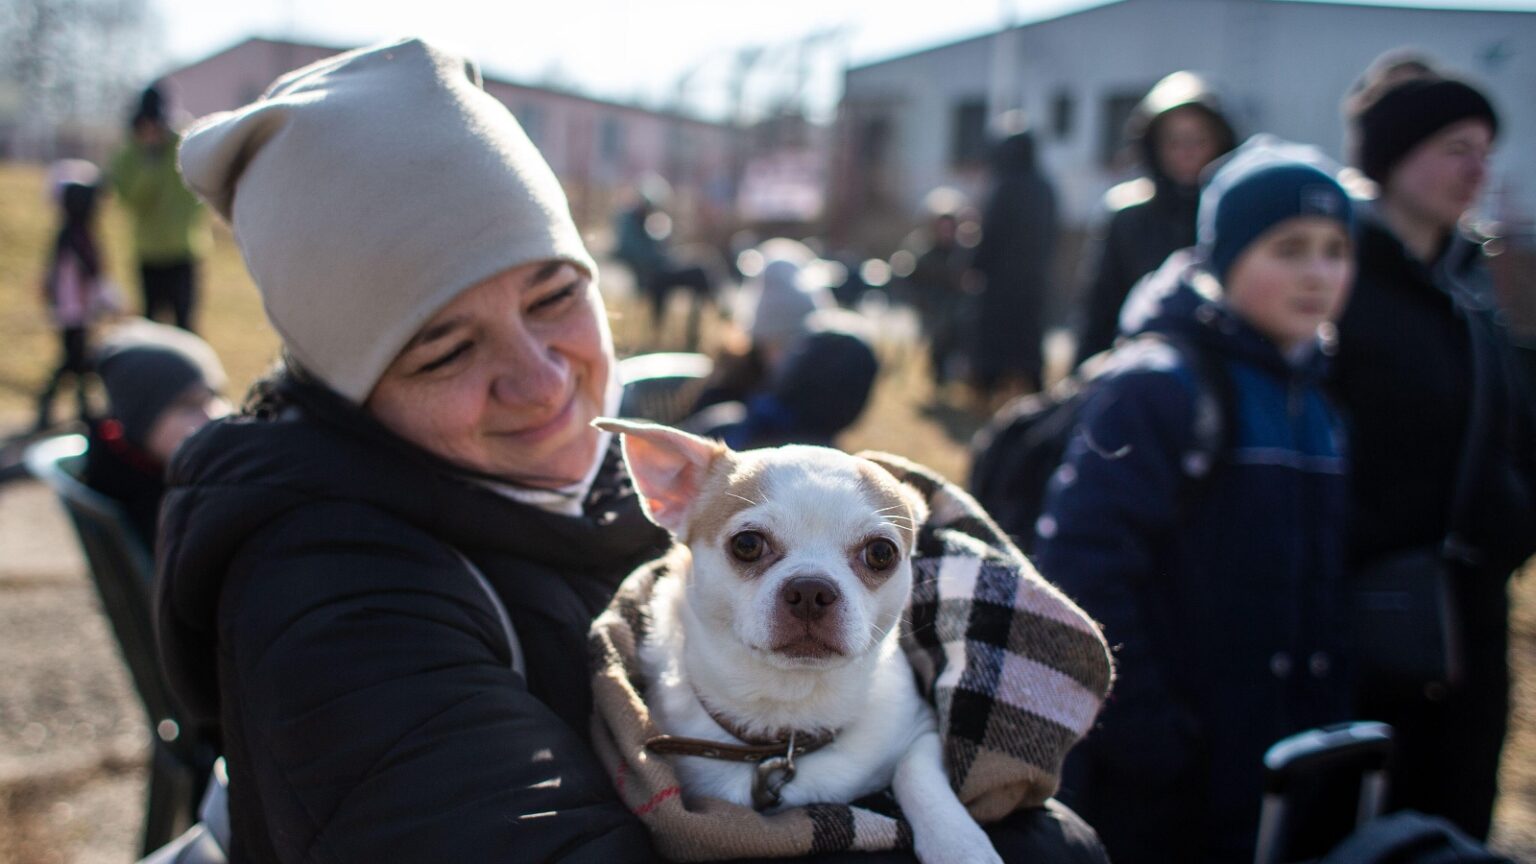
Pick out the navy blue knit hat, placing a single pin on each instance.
(1263, 183)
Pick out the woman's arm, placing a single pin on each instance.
(371, 684)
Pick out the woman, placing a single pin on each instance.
(1416, 342)
(378, 586)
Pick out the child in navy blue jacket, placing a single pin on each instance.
(1217, 571)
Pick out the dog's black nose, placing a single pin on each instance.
(809, 597)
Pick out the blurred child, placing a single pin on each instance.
(74, 287)
(1218, 572)
(936, 283)
(801, 371)
(162, 385)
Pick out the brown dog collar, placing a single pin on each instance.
(795, 745)
(774, 757)
(775, 762)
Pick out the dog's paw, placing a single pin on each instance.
(959, 844)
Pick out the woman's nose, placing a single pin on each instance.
(531, 373)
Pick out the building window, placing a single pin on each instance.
(1063, 114)
(874, 140)
(532, 120)
(968, 146)
(1116, 111)
(610, 142)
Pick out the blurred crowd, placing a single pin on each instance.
(1291, 469)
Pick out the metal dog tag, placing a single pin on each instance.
(772, 776)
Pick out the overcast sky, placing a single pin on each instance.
(631, 50)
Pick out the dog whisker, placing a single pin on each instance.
(745, 498)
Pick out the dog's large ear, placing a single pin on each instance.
(668, 467)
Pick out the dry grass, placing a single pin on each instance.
(904, 417)
(229, 314)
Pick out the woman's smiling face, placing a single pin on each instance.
(506, 379)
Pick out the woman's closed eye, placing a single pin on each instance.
(555, 299)
(459, 350)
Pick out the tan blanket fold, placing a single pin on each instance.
(1017, 672)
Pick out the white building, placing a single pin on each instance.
(911, 123)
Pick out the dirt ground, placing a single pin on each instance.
(73, 738)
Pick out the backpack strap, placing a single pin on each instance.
(1215, 408)
(1215, 420)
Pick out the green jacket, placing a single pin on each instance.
(168, 223)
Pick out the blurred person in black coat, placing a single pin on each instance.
(1177, 129)
(1013, 266)
(1418, 344)
(935, 287)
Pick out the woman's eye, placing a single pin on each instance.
(748, 546)
(880, 554)
(459, 351)
(551, 301)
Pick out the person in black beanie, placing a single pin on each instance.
(1421, 350)
(162, 385)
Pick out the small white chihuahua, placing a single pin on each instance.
(773, 664)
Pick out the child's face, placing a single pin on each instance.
(1293, 278)
(190, 412)
(1187, 141)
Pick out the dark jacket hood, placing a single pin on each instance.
(238, 476)
(1179, 90)
(1014, 154)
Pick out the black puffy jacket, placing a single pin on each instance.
(1404, 377)
(313, 605)
(1419, 345)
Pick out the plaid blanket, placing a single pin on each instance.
(1016, 671)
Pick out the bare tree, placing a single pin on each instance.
(68, 69)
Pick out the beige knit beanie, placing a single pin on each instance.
(366, 191)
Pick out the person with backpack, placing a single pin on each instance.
(1217, 571)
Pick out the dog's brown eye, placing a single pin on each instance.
(748, 546)
(880, 554)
